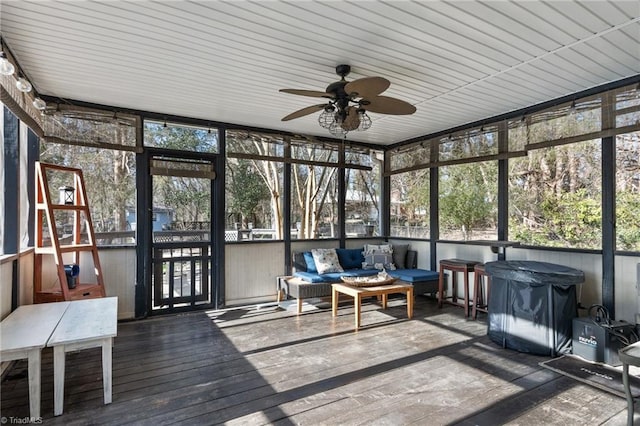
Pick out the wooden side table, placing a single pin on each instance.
(455, 266)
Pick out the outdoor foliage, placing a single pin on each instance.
(628, 221)
(187, 197)
(314, 192)
(468, 200)
(247, 195)
(410, 204)
(554, 197)
(267, 207)
(109, 177)
(182, 138)
(628, 191)
(554, 192)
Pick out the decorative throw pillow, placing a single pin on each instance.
(378, 257)
(383, 248)
(400, 255)
(350, 258)
(311, 264)
(326, 260)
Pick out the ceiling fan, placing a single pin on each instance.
(349, 102)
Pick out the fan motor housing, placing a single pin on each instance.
(343, 70)
(337, 88)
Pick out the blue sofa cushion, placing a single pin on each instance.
(311, 264)
(414, 275)
(350, 258)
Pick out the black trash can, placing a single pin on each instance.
(532, 305)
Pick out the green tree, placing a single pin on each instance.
(188, 197)
(627, 222)
(247, 191)
(554, 196)
(271, 172)
(109, 177)
(467, 197)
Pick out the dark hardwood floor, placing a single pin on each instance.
(250, 366)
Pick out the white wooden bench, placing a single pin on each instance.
(85, 324)
(65, 326)
(23, 334)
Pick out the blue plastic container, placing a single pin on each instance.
(72, 271)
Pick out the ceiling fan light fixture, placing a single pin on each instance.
(365, 120)
(336, 129)
(23, 85)
(349, 102)
(6, 67)
(326, 117)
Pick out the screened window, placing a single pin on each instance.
(555, 197)
(314, 203)
(109, 177)
(253, 200)
(468, 203)
(254, 186)
(518, 134)
(469, 144)
(572, 119)
(628, 192)
(180, 137)
(306, 151)
(628, 106)
(362, 202)
(254, 144)
(410, 156)
(64, 123)
(410, 204)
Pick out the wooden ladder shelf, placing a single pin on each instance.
(46, 208)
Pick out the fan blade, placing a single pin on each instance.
(352, 121)
(387, 105)
(304, 111)
(367, 87)
(313, 93)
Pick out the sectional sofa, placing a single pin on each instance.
(306, 282)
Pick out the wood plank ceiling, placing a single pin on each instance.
(456, 61)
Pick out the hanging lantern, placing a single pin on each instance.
(66, 194)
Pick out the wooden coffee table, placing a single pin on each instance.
(359, 292)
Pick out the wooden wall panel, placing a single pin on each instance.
(251, 271)
(25, 267)
(6, 269)
(119, 269)
(591, 264)
(627, 296)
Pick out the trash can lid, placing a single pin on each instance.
(534, 272)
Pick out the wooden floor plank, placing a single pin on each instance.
(250, 366)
